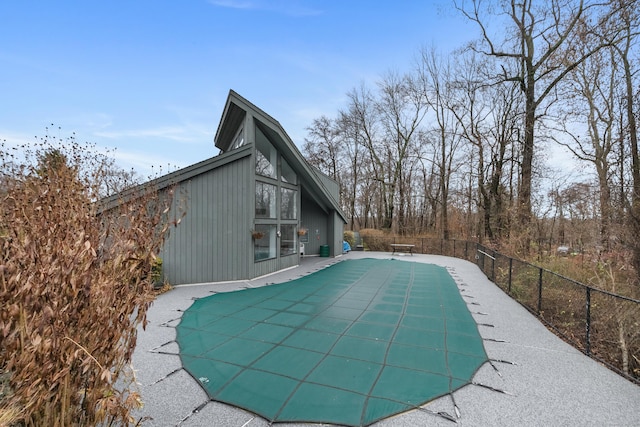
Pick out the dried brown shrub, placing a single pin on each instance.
(375, 240)
(74, 285)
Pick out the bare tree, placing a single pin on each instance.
(323, 147)
(401, 106)
(362, 121)
(488, 116)
(355, 165)
(628, 23)
(436, 76)
(591, 101)
(472, 114)
(538, 41)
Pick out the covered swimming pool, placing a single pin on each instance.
(350, 344)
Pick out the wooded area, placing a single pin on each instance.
(459, 146)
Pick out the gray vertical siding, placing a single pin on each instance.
(314, 219)
(335, 224)
(261, 268)
(331, 186)
(336, 233)
(272, 265)
(213, 242)
(330, 228)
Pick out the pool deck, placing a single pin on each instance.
(535, 379)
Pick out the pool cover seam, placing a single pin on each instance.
(328, 351)
(446, 346)
(386, 355)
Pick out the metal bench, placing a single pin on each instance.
(402, 247)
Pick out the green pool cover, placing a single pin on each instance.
(350, 344)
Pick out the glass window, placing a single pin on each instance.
(287, 174)
(264, 242)
(288, 205)
(266, 156)
(239, 140)
(265, 200)
(288, 241)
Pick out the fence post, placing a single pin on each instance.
(476, 256)
(493, 267)
(454, 248)
(510, 273)
(422, 244)
(588, 322)
(539, 292)
(441, 246)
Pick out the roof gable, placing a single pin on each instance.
(232, 118)
(236, 107)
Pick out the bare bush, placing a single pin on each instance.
(375, 240)
(75, 283)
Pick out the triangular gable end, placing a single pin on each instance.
(235, 116)
(231, 122)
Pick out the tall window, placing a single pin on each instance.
(288, 243)
(276, 206)
(266, 156)
(288, 204)
(238, 141)
(264, 242)
(287, 174)
(265, 200)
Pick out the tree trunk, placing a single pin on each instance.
(634, 211)
(526, 172)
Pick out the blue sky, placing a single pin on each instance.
(150, 77)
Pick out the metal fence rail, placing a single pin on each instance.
(601, 324)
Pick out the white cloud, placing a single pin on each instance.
(145, 164)
(96, 120)
(234, 4)
(13, 139)
(143, 161)
(286, 7)
(173, 133)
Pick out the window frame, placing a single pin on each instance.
(272, 206)
(286, 229)
(269, 232)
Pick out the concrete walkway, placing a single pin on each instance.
(536, 379)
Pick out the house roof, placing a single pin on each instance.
(313, 183)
